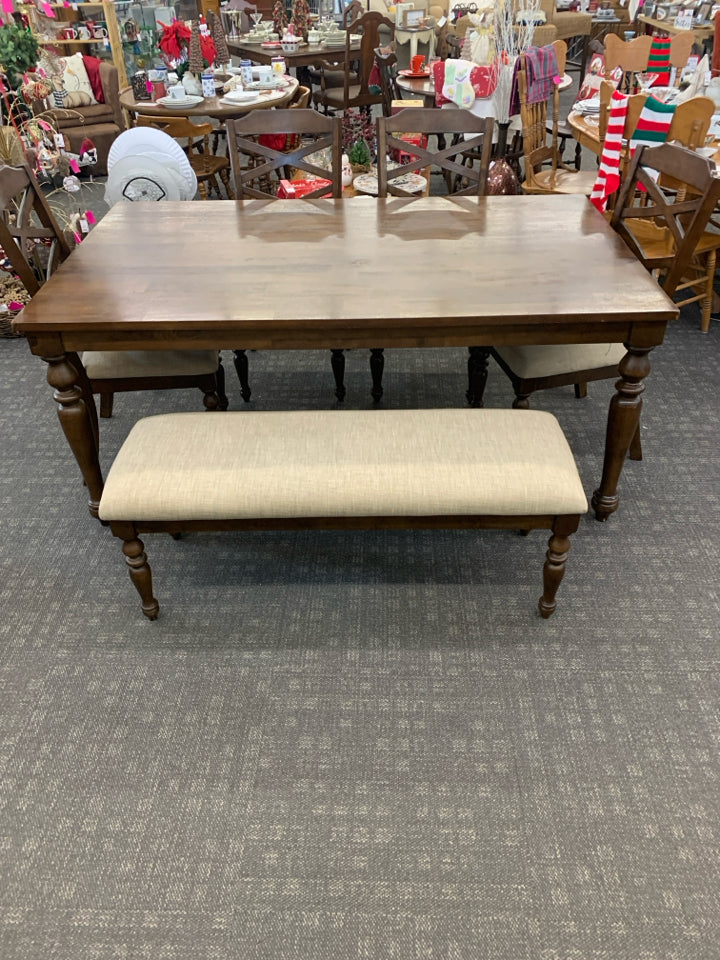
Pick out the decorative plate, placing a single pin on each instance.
(410, 182)
(241, 96)
(157, 145)
(140, 179)
(271, 45)
(266, 85)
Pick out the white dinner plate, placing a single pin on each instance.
(157, 145)
(241, 96)
(140, 179)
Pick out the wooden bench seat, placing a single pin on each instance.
(344, 469)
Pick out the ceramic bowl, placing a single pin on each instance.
(290, 46)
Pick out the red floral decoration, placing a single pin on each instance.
(175, 40)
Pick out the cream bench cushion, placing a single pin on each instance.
(191, 466)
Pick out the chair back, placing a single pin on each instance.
(537, 148)
(681, 45)
(477, 131)
(691, 122)
(662, 226)
(368, 28)
(631, 56)
(314, 131)
(301, 100)
(194, 135)
(351, 13)
(386, 61)
(25, 216)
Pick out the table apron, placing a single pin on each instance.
(639, 334)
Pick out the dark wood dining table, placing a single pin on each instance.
(289, 274)
(304, 56)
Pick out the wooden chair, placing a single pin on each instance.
(630, 55)
(107, 372)
(473, 134)
(25, 216)
(453, 123)
(314, 132)
(666, 231)
(311, 131)
(665, 224)
(386, 61)
(540, 140)
(207, 165)
(355, 90)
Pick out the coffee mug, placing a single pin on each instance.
(264, 74)
(417, 63)
(177, 92)
(100, 32)
(83, 33)
(69, 33)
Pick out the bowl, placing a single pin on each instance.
(290, 46)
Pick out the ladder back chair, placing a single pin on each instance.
(665, 229)
(540, 125)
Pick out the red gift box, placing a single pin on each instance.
(293, 189)
(406, 156)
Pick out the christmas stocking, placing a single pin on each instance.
(608, 178)
(457, 86)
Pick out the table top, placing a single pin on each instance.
(302, 57)
(425, 87)
(396, 272)
(211, 106)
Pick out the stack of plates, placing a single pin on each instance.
(587, 107)
(147, 164)
(241, 96)
(179, 103)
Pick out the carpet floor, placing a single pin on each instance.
(365, 746)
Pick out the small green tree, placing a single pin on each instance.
(359, 154)
(18, 51)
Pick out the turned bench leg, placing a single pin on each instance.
(555, 561)
(139, 568)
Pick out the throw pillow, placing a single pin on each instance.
(76, 83)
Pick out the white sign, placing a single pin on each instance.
(684, 20)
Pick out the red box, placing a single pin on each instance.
(405, 156)
(293, 189)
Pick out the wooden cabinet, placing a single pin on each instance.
(46, 29)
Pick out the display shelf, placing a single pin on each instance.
(69, 14)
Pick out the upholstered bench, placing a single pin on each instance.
(344, 469)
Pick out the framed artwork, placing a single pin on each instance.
(661, 13)
(704, 11)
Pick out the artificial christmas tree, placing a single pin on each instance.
(299, 20)
(280, 20)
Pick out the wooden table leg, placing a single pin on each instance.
(623, 421)
(477, 367)
(77, 421)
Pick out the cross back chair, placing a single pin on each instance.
(206, 165)
(472, 137)
(311, 132)
(314, 132)
(104, 372)
(540, 122)
(355, 90)
(455, 124)
(26, 217)
(665, 229)
(386, 61)
(664, 223)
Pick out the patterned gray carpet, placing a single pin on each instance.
(366, 746)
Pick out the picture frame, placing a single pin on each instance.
(704, 11)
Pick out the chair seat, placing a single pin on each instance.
(335, 97)
(550, 360)
(123, 364)
(331, 463)
(564, 181)
(657, 242)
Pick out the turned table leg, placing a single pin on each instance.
(78, 419)
(622, 425)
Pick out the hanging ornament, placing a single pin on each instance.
(71, 184)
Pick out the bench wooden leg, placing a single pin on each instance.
(241, 368)
(477, 368)
(140, 573)
(554, 568)
(337, 364)
(106, 404)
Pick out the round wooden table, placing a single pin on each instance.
(210, 106)
(425, 87)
